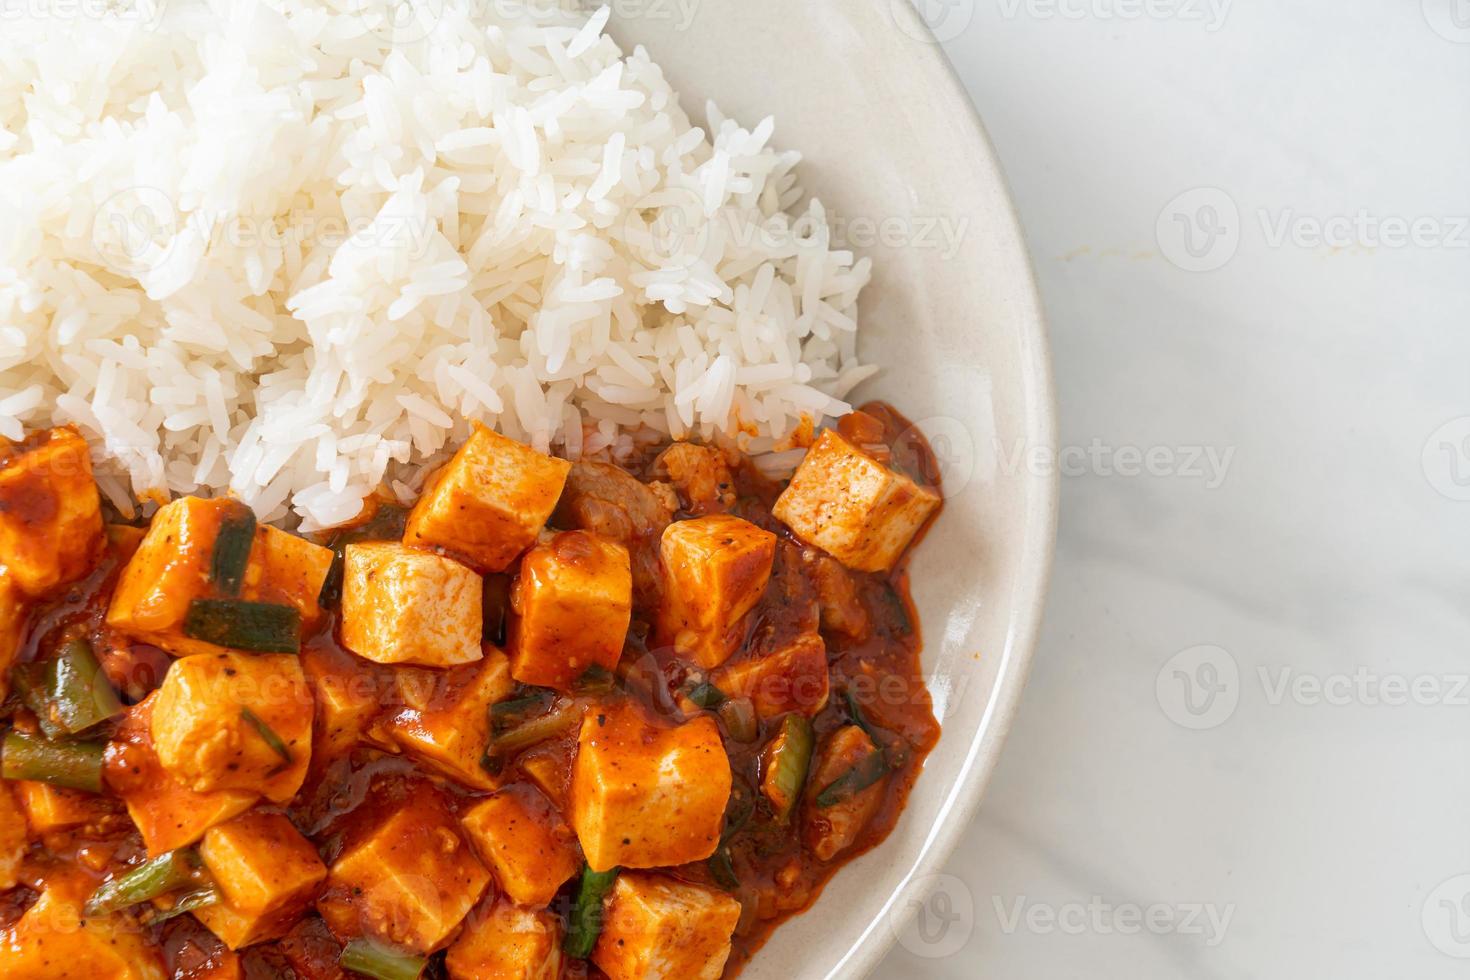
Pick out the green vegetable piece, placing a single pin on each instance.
(507, 715)
(232, 549)
(722, 868)
(740, 719)
(596, 679)
(261, 627)
(75, 765)
(706, 695)
(78, 694)
(373, 960)
(868, 771)
(558, 721)
(165, 873)
(277, 744)
(186, 903)
(791, 759)
(29, 681)
(585, 923)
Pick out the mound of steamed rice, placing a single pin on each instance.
(288, 249)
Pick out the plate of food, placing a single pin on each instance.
(515, 489)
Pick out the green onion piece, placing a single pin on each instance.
(78, 694)
(894, 747)
(232, 549)
(506, 715)
(186, 903)
(75, 765)
(559, 720)
(277, 744)
(596, 679)
(372, 960)
(165, 873)
(873, 767)
(722, 868)
(706, 695)
(262, 627)
(790, 760)
(29, 681)
(585, 922)
(740, 719)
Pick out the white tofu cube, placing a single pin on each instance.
(573, 600)
(405, 606)
(487, 504)
(853, 507)
(715, 569)
(643, 796)
(655, 928)
(230, 720)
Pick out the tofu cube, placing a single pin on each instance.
(50, 511)
(55, 941)
(833, 829)
(402, 606)
(408, 880)
(715, 569)
(573, 600)
(347, 694)
(171, 568)
(790, 678)
(503, 942)
(525, 842)
(50, 808)
(14, 838)
(235, 721)
(12, 626)
(451, 731)
(853, 507)
(655, 928)
(167, 813)
(487, 504)
(644, 796)
(267, 873)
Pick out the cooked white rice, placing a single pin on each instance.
(277, 249)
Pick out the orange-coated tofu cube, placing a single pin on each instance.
(55, 941)
(50, 511)
(401, 606)
(235, 721)
(13, 838)
(853, 507)
(167, 813)
(267, 873)
(487, 504)
(348, 695)
(450, 732)
(527, 845)
(408, 881)
(50, 808)
(172, 568)
(503, 942)
(644, 796)
(573, 600)
(830, 830)
(791, 678)
(655, 928)
(715, 569)
(12, 626)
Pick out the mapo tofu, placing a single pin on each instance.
(612, 717)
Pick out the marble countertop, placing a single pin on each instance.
(1245, 746)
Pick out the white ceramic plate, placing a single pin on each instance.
(895, 149)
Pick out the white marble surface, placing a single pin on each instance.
(1313, 820)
